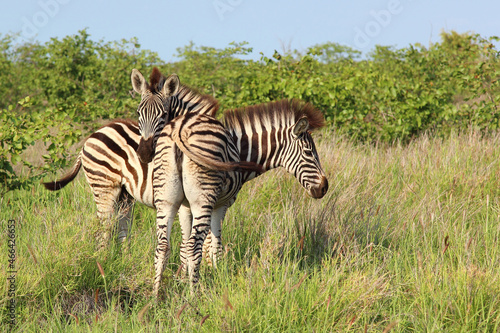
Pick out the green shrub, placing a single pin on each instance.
(388, 95)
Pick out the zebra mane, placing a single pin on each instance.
(155, 78)
(206, 104)
(274, 115)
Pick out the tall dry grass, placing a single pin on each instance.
(405, 240)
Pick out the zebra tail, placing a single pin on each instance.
(248, 166)
(68, 178)
(212, 164)
(241, 166)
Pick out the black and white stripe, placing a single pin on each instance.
(253, 140)
(114, 173)
(195, 155)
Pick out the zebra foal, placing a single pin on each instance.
(253, 140)
(113, 168)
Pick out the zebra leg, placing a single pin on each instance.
(216, 244)
(105, 198)
(125, 211)
(168, 196)
(205, 251)
(200, 229)
(164, 220)
(208, 252)
(186, 221)
(201, 188)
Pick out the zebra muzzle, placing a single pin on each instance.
(319, 191)
(146, 151)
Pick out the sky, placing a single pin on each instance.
(163, 26)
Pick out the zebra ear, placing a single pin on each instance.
(138, 82)
(301, 126)
(171, 85)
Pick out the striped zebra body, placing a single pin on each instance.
(194, 157)
(110, 161)
(255, 139)
(115, 175)
(112, 166)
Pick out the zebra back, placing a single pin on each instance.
(205, 141)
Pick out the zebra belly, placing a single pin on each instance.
(230, 190)
(143, 190)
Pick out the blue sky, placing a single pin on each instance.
(163, 26)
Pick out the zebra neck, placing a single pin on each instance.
(178, 107)
(189, 101)
(264, 148)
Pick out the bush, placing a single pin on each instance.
(390, 94)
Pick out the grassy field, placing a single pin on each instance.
(406, 240)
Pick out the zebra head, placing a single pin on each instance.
(153, 109)
(303, 162)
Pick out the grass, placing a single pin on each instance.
(406, 240)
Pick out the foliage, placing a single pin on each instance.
(65, 88)
(218, 72)
(388, 95)
(393, 94)
(333, 52)
(21, 128)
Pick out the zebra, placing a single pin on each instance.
(112, 166)
(251, 141)
(154, 113)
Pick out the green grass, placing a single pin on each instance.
(406, 240)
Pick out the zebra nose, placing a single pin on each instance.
(320, 191)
